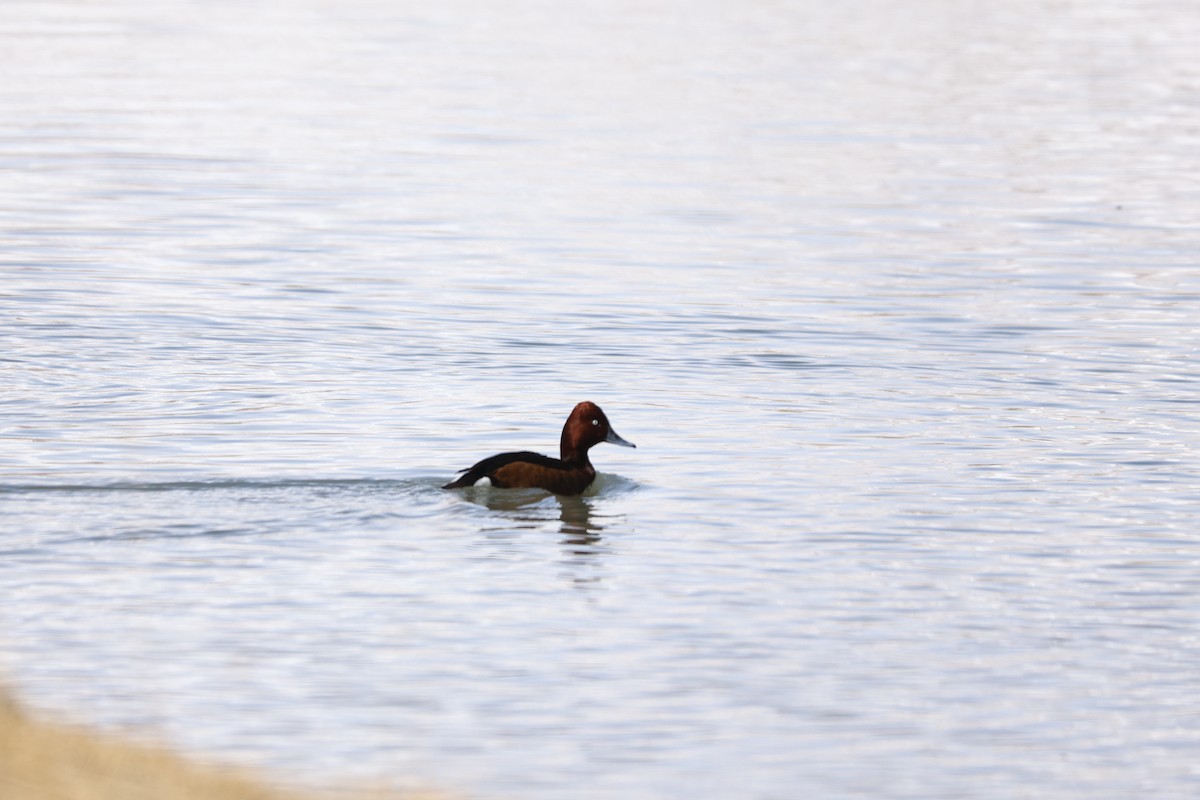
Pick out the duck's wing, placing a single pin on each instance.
(488, 467)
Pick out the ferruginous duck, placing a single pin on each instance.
(570, 473)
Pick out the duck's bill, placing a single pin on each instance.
(613, 438)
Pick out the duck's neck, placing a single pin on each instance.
(570, 454)
(577, 461)
(573, 457)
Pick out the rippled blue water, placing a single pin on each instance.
(901, 311)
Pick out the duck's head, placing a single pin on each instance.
(587, 426)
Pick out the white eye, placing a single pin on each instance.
(595, 422)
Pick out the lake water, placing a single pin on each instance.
(900, 305)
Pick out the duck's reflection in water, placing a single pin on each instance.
(581, 534)
(582, 539)
(581, 542)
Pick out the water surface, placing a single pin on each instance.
(900, 310)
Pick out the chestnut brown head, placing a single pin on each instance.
(587, 426)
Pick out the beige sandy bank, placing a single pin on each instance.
(46, 760)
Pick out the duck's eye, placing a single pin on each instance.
(595, 422)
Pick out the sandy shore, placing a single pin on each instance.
(47, 760)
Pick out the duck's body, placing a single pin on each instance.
(571, 473)
(528, 470)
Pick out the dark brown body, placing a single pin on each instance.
(572, 473)
(529, 470)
